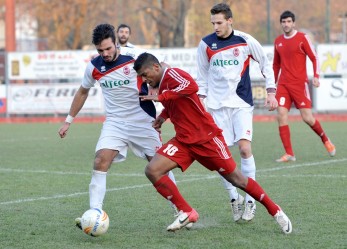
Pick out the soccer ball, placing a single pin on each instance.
(95, 222)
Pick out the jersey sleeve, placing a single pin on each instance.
(258, 54)
(88, 80)
(311, 53)
(182, 85)
(276, 63)
(203, 67)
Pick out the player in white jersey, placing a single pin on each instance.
(128, 122)
(223, 78)
(123, 35)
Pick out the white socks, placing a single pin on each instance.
(97, 189)
(248, 170)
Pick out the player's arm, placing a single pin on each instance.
(311, 53)
(259, 55)
(183, 85)
(202, 70)
(77, 104)
(276, 63)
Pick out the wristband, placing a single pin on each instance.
(69, 119)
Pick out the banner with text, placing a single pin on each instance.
(50, 98)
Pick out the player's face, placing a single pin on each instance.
(151, 74)
(123, 35)
(288, 25)
(222, 27)
(107, 50)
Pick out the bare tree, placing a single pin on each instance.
(169, 17)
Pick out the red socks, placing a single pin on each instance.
(317, 128)
(169, 191)
(285, 137)
(257, 192)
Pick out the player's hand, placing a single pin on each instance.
(157, 123)
(316, 82)
(271, 102)
(63, 130)
(149, 97)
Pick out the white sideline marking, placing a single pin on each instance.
(276, 168)
(201, 177)
(84, 193)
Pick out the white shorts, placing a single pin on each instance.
(236, 123)
(141, 138)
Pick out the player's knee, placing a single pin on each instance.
(245, 151)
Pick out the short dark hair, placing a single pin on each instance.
(121, 26)
(102, 32)
(287, 14)
(222, 8)
(145, 59)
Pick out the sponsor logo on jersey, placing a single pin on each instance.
(302, 104)
(280, 45)
(214, 46)
(222, 63)
(114, 83)
(103, 69)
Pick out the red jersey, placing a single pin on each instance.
(289, 62)
(178, 94)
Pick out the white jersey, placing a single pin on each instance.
(121, 89)
(223, 69)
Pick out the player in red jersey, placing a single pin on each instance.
(197, 138)
(290, 52)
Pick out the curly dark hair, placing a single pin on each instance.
(102, 32)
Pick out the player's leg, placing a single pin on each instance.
(223, 118)
(284, 103)
(243, 128)
(252, 188)
(168, 157)
(97, 187)
(144, 141)
(314, 124)
(215, 156)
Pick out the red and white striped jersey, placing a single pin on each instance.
(178, 94)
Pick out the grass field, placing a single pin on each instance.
(44, 187)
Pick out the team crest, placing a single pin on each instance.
(236, 52)
(126, 70)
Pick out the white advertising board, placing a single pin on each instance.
(48, 64)
(50, 98)
(331, 95)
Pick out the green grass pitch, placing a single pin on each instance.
(44, 187)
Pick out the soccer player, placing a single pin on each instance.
(289, 64)
(225, 87)
(197, 138)
(128, 121)
(123, 35)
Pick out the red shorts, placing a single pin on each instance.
(213, 155)
(297, 93)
